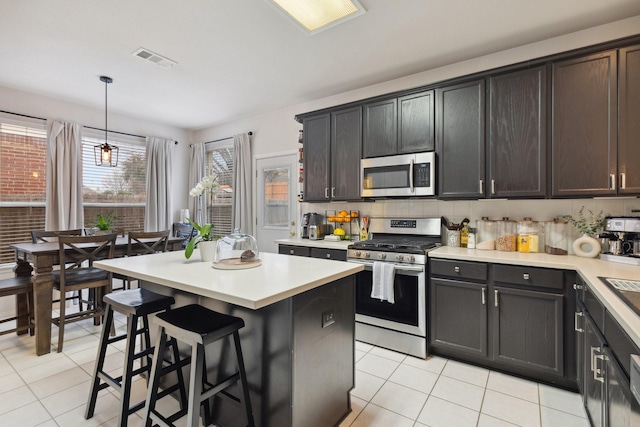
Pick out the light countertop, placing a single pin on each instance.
(590, 269)
(279, 277)
(323, 244)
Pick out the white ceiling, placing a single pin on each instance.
(237, 58)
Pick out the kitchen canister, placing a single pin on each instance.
(528, 237)
(506, 238)
(485, 234)
(556, 237)
(453, 238)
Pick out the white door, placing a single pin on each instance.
(277, 210)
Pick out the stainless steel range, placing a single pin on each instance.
(404, 243)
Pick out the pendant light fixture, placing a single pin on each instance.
(105, 154)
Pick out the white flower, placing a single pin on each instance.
(208, 183)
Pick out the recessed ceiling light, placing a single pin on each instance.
(317, 15)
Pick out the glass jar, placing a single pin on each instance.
(485, 234)
(528, 239)
(506, 240)
(236, 248)
(556, 237)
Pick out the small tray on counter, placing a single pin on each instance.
(236, 264)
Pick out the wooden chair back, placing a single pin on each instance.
(41, 236)
(147, 242)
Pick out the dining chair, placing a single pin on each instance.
(22, 288)
(77, 254)
(143, 243)
(41, 236)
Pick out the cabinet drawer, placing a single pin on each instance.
(459, 269)
(335, 254)
(532, 276)
(294, 250)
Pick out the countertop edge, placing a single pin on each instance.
(323, 244)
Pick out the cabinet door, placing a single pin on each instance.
(584, 126)
(380, 129)
(335, 254)
(316, 158)
(346, 148)
(593, 380)
(415, 123)
(458, 316)
(629, 130)
(622, 409)
(517, 134)
(580, 343)
(460, 113)
(528, 329)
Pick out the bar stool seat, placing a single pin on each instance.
(198, 326)
(135, 304)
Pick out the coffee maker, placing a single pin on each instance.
(309, 220)
(624, 240)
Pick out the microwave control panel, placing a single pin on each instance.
(422, 174)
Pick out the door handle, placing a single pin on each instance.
(495, 294)
(597, 370)
(484, 296)
(593, 350)
(575, 321)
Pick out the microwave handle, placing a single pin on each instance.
(411, 176)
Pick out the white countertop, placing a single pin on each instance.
(590, 269)
(324, 244)
(279, 277)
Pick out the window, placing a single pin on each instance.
(121, 190)
(22, 180)
(219, 161)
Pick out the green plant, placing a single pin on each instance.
(104, 222)
(205, 234)
(589, 226)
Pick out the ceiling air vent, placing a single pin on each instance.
(154, 58)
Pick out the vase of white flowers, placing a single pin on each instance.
(205, 240)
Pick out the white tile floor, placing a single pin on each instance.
(391, 389)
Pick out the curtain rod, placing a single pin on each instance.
(221, 139)
(88, 127)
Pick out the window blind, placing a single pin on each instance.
(22, 180)
(219, 162)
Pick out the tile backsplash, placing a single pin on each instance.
(455, 211)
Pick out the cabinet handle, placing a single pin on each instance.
(481, 187)
(495, 294)
(593, 350)
(623, 181)
(333, 192)
(575, 321)
(328, 255)
(597, 370)
(326, 192)
(291, 251)
(456, 269)
(493, 186)
(578, 287)
(525, 276)
(612, 182)
(484, 296)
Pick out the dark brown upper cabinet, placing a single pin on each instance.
(629, 122)
(317, 157)
(584, 126)
(332, 151)
(517, 134)
(399, 125)
(460, 140)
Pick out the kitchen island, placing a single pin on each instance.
(298, 342)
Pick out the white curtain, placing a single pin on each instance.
(196, 172)
(159, 209)
(241, 211)
(64, 176)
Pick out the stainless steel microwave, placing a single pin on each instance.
(399, 176)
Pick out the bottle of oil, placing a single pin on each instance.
(464, 233)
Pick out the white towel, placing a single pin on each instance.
(383, 278)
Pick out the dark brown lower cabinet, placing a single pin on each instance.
(528, 329)
(594, 390)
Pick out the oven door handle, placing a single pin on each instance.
(399, 267)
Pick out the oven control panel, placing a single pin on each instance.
(403, 223)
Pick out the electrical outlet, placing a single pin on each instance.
(327, 318)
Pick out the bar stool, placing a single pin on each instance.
(135, 304)
(197, 326)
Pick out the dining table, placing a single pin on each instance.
(37, 260)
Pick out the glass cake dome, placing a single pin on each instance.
(237, 249)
